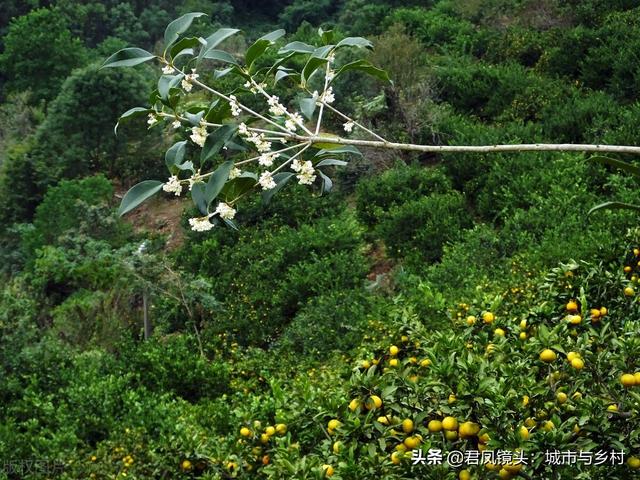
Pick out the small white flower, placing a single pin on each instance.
(152, 119)
(331, 58)
(173, 186)
(331, 74)
(266, 159)
(235, 108)
(348, 126)
(263, 146)
(188, 78)
(266, 181)
(293, 122)
(276, 108)
(200, 224)
(176, 124)
(195, 178)
(225, 211)
(242, 129)
(234, 173)
(168, 69)
(306, 172)
(199, 135)
(328, 96)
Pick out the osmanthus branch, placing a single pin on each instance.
(219, 127)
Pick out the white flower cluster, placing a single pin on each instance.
(199, 134)
(235, 108)
(348, 126)
(153, 119)
(258, 140)
(266, 181)
(328, 96)
(275, 107)
(255, 87)
(176, 123)
(306, 172)
(173, 186)
(293, 122)
(195, 178)
(200, 224)
(188, 78)
(234, 173)
(168, 69)
(225, 211)
(266, 159)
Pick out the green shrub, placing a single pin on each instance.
(418, 230)
(378, 194)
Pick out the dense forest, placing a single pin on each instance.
(431, 302)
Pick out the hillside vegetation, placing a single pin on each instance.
(454, 302)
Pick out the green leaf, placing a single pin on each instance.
(194, 118)
(349, 149)
(219, 36)
(183, 45)
(217, 180)
(138, 194)
(167, 82)
(128, 57)
(627, 167)
(177, 27)
(296, 47)
(281, 180)
(131, 113)
(261, 45)
(365, 66)
(199, 198)
(614, 206)
(221, 56)
(239, 185)
(311, 67)
(332, 162)
(326, 35)
(308, 106)
(327, 184)
(174, 156)
(354, 42)
(215, 141)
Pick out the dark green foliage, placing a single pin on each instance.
(39, 53)
(418, 230)
(378, 194)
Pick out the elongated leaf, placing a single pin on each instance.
(194, 118)
(327, 184)
(366, 67)
(220, 56)
(350, 149)
(311, 67)
(239, 185)
(297, 47)
(217, 180)
(167, 82)
(128, 57)
(216, 141)
(281, 180)
(354, 42)
(230, 223)
(627, 167)
(324, 51)
(175, 154)
(138, 194)
(198, 197)
(131, 113)
(179, 26)
(219, 36)
(308, 106)
(260, 45)
(184, 44)
(332, 162)
(614, 206)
